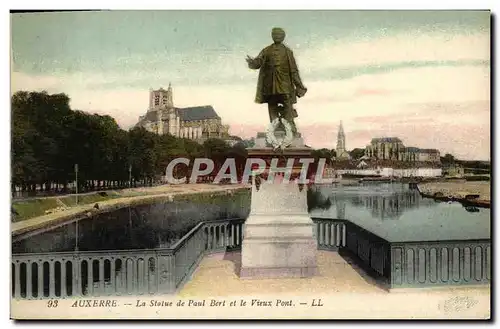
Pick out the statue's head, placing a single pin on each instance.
(278, 35)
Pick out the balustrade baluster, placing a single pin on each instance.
(147, 274)
(170, 274)
(90, 277)
(327, 234)
(52, 279)
(343, 230)
(333, 235)
(63, 278)
(226, 235)
(214, 237)
(77, 273)
(17, 280)
(134, 275)
(233, 235)
(101, 277)
(112, 277)
(129, 269)
(140, 277)
(221, 236)
(336, 233)
(40, 279)
(29, 283)
(124, 275)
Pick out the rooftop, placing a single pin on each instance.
(192, 113)
(197, 113)
(386, 140)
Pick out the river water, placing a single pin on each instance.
(397, 213)
(392, 211)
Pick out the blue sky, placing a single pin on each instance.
(374, 70)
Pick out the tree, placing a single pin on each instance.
(323, 153)
(448, 159)
(49, 138)
(357, 153)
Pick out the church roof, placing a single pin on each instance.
(386, 140)
(197, 113)
(188, 113)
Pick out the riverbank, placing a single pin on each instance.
(117, 200)
(474, 193)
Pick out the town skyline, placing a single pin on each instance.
(381, 74)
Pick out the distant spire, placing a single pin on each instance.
(341, 151)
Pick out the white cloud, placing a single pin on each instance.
(327, 101)
(395, 49)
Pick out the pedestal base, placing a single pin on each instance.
(278, 237)
(271, 257)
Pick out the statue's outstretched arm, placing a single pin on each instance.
(255, 63)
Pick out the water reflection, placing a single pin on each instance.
(397, 213)
(142, 227)
(386, 201)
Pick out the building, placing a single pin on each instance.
(342, 153)
(392, 148)
(198, 122)
(453, 170)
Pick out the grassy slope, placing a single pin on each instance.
(36, 207)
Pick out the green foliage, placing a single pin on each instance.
(448, 159)
(357, 153)
(323, 153)
(30, 208)
(33, 208)
(48, 139)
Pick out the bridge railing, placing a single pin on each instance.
(330, 233)
(417, 264)
(165, 270)
(121, 272)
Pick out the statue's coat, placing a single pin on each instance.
(261, 62)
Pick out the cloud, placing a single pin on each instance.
(401, 48)
(330, 60)
(458, 128)
(398, 85)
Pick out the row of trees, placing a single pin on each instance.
(355, 154)
(49, 138)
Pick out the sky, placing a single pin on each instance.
(422, 76)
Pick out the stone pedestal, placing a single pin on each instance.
(278, 238)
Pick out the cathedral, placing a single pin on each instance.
(392, 148)
(342, 153)
(388, 148)
(198, 122)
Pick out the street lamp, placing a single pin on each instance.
(76, 234)
(130, 176)
(76, 181)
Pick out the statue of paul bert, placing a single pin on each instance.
(279, 83)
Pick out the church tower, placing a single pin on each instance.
(169, 102)
(341, 151)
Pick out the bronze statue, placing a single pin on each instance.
(279, 82)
